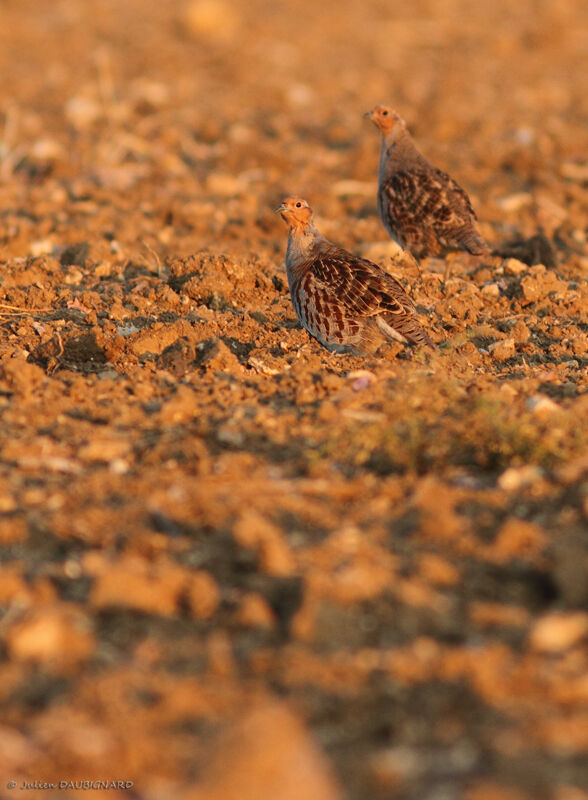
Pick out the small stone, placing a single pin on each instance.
(153, 340)
(520, 333)
(7, 503)
(539, 283)
(203, 595)
(514, 202)
(104, 450)
(549, 214)
(362, 379)
(579, 346)
(254, 532)
(40, 247)
(254, 612)
(18, 750)
(12, 529)
(182, 407)
(518, 538)
(82, 111)
(119, 466)
(575, 171)
(299, 95)
(215, 356)
(103, 270)
(267, 754)
(513, 266)
(515, 478)
(532, 290)
(150, 92)
(222, 184)
(506, 390)
(557, 632)
(436, 502)
(490, 290)
(542, 406)
(47, 150)
(13, 588)
(58, 637)
(392, 767)
(133, 582)
(497, 614)
(220, 655)
(438, 570)
(266, 366)
(502, 350)
(210, 19)
(471, 353)
(241, 134)
(73, 277)
(352, 188)
(327, 411)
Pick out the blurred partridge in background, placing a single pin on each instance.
(347, 303)
(421, 207)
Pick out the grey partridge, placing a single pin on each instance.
(421, 207)
(347, 303)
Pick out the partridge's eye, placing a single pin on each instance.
(298, 205)
(384, 113)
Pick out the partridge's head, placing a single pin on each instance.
(385, 119)
(295, 211)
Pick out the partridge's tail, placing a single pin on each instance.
(406, 328)
(473, 242)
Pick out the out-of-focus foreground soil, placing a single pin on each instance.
(234, 565)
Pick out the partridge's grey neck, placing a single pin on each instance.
(304, 242)
(398, 148)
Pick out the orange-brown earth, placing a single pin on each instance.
(234, 565)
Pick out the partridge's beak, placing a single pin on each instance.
(280, 208)
(369, 114)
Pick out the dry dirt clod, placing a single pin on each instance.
(557, 632)
(267, 754)
(58, 638)
(502, 350)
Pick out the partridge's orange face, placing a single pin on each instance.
(384, 118)
(295, 211)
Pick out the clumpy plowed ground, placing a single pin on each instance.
(220, 544)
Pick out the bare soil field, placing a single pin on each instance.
(236, 566)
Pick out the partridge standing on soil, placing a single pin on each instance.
(347, 303)
(421, 207)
